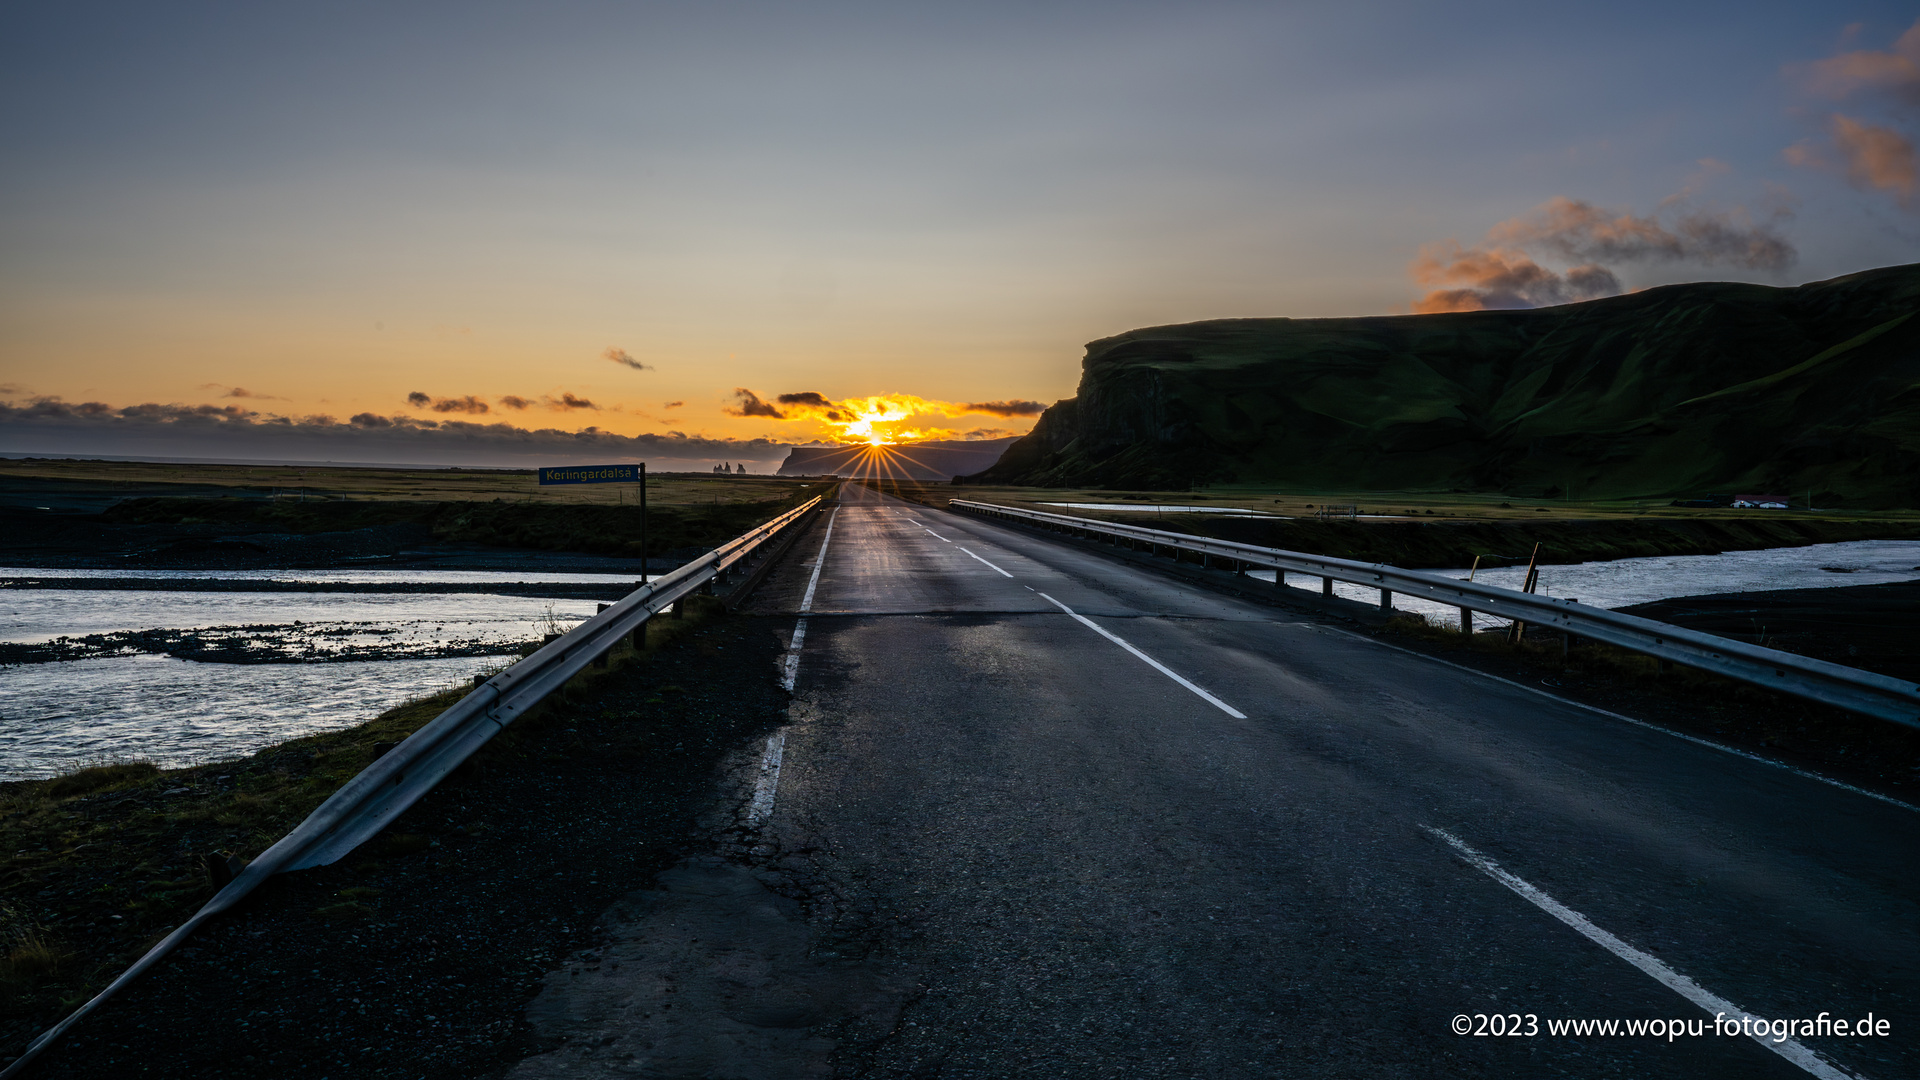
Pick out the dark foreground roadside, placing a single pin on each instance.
(417, 955)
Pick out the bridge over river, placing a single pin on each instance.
(1039, 812)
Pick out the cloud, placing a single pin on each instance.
(1502, 272)
(566, 402)
(1005, 408)
(467, 404)
(1483, 279)
(748, 403)
(1872, 156)
(239, 392)
(1580, 230)
(673, 404)
(620, 356)
(1894, 72)
(51, 425)
(989, 433)
(515, 401)
(810, 404)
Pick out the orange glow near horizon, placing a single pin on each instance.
(874, 420)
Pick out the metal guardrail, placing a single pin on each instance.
(1848, 688)
(372, 800)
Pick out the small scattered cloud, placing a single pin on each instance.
(673, 404)
(1475, 279)
(1503, 271)
(748, 403)
(567, 402)
(1005, 408)
(811, 404)
(978, 434)
(60, 426)
(621, 357)
(1580, 230)
(1873, 156)
(465, 404)
(239, 392)
(1893, 72)
(515, 401)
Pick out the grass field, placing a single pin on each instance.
(1376, 506)
(1443, 529)
(296, 482)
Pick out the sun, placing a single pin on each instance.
(870, 417)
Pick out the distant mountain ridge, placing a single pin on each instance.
(935, 460)
(1676, 390)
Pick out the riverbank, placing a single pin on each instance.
(416, 955)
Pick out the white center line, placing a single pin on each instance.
(1155, 664)
(819, 561)
(989, 565)
(1791, 1049)
(769, 781)
(790, 669)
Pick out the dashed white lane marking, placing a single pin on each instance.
(991, 567)
(1791, 1049)
(1695, 739)
(1155, 664)
(768, 782)
(936, 535)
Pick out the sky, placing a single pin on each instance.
(537, 233)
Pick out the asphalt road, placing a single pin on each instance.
(1043, 814)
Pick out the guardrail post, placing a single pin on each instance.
(1466, 621)
(1386, 600)
(1326, 586)
(1279, 578)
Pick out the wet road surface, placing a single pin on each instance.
(1056, 816)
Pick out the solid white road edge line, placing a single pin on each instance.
(1695, 739)
(769, 781)
(989, 565)
(1155, 664)
(1712, 1003)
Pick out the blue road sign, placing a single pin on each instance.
(591, 474)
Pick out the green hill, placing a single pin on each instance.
(1674, 391)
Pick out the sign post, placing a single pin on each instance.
(606, 474)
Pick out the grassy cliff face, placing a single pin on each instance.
(1679, 390)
